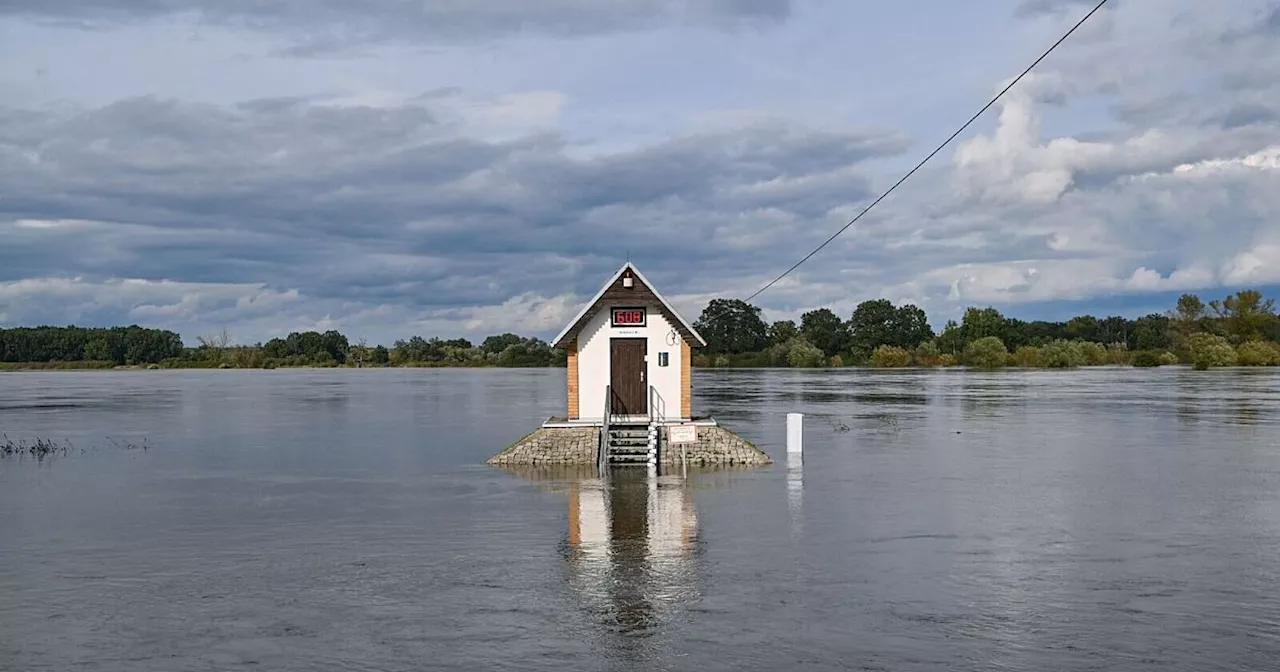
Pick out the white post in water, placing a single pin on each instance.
(795, 433)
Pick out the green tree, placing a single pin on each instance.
(952, 339)
(1258, 353)
(1015, 333)
(1114, 329)
(1187, 318)
(528, 352)
(492, 344)
(1190, 308)
(928, 354)
(825, 330)
(732, 326)
(803, 354)
(1147, 359)
(1245, 314)
(1150, 332)
(890, 357)
(1094, 353)
(1210, 350)
(1061, 354)
(979, 323)
(871, 326)
(1026, 356)
(910, 327)
(782, 331)
(987, 352)
(1083, 328)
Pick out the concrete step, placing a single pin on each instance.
(629, 459)
(632, 444)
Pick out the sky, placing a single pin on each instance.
(450, 168)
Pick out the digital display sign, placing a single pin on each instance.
(628, 317)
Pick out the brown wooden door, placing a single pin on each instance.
(628, 376)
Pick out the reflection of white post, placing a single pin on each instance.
(671, 523)
(795, 433)
(795, 486)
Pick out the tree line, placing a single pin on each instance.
(1241, 329)
(81, 347)
(114, 345)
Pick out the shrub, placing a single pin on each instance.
(1063, 354)
(1209, 350)
(890, 357)
(721, 361)
(1168, 359)
(947, 360)
(927, 354)
(986, 353)
(803, 354)
(1118, 353)
(1257, 353)
(837, 361)
(777, 354)
(1094, 354)
(1147, 358)
(1026, 357)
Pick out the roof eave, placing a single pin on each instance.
(561, 339)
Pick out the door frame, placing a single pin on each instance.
(644, 376)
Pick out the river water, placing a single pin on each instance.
(1103, 519)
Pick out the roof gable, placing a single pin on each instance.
(614, 293)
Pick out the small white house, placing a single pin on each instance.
(629, 343)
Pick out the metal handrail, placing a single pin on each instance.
(602, 455)
(655, 416)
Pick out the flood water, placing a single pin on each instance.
(1111, 519)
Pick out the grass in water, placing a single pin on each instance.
(41, 448)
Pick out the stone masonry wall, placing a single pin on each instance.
(716, 446)
(552, 445)
(577, 446)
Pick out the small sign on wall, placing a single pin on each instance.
(682, 434)
(629, 317)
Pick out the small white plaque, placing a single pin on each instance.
(682, 434)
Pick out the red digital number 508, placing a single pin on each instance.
(628, 317)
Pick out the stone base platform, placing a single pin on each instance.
(548, 446)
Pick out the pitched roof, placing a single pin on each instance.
(642, 290)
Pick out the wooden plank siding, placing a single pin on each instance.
(639, 294)
(574, 411)
(686, 380)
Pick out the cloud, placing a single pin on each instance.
(398, 196)
(254, 312)
(362, 206)
(319, 26)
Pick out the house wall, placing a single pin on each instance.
(594, 359)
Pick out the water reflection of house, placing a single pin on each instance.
(630, 550)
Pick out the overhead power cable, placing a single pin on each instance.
(926, 159)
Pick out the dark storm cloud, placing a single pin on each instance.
(389, 204)
(323, 24)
